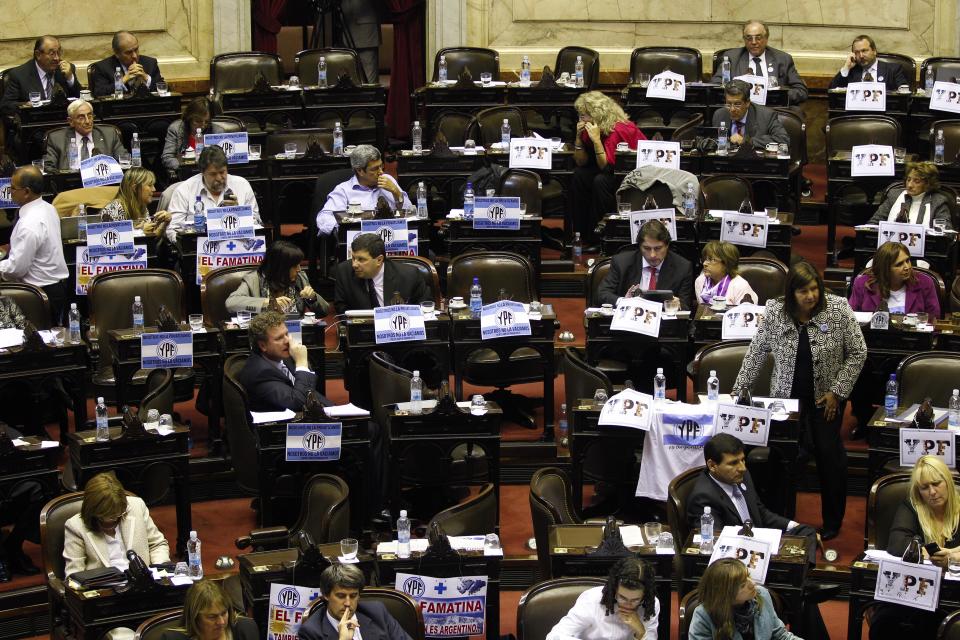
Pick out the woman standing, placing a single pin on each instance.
(279, 277)
(719, 278)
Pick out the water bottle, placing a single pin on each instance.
(476, 298)
(928, 81)
(403, 535)
(198, 141)
(578, 71)
(135, 160)
(103, 428)
(713, 386)
(563, 427)
(422, 211)
(577, 249)
(722, 146)
(659, 385)
(690, 202)
(468, 201)
(938, 148)
(199, 216)
(525, 72)
(416, 393)
(442, 69)
(953, 419)
(322, 73)
(416, 136)
(505, 133)
(82, 222)
(117, 83)
(773, 82)
(194, 563)
(893, 393)
(73, 155)
(746, 206)
(725, 70)
(706, 531)
(137, 310)
(74, 323)
(337, 139)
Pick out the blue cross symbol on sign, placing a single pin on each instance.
(440, 588)
(231, 245)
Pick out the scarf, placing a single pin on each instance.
(711, 289)
(743, 618)
(923, 214)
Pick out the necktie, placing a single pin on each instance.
(652, 285)
(868, 77)
(758, 68)
(904, 215)
(286, 371)
(48, 86)
(740, 503)
(84, 150)
(372, 292)
(738, 128)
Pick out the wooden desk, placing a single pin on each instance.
(30, 463)
(91, 617)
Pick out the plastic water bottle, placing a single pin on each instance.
(505, 133)
(199, 216)
(476, 298)
(73, 155)
(322, 73)
(722, 147)
(938, 148)
(468, 201)
(103, 427)
(928, 81)
(525, 72)
(746, 206)
(403, 535)
(74, 324)
(690, 202)
(135, 160)
(713, 386)
(82, 222)
(773, 82)
(577, 249)
(953, 414)
(137, 310)
(117, 83)
(706, 531)
(337, 139)
(198, 142)
(578, 71)
(442, 69)
(416, 136)
(416, 393)
(563, 427)
(194, 562)
(659, 385)
(422, 212)
(892, 395)
(725, 70)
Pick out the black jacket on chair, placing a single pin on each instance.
(351, 292)
(706, 492)
(101, 81)
(891, 73)
(376, 623)
(268, 389)
(626, 270)
(19, 82)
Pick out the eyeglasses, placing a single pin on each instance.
(754, 38)
(630, 602)
(710, 261)
(733, 105)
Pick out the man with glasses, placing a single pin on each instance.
(746, 123)
(87, 138)
(862, 65)
(756, 58)
(42, 74)
(136, 69)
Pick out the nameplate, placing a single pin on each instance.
(745, 229)
(393, 232)
(99, 171)
(106, 238)
(213, 254)
(413, 245)
(313, 441)
(880, 320)
(940, 443)
(667, 216)
(660, 153)
(89, 266)
(288, 607)
(234, 145)
(909, 584)
(496, 213)
(758, 87)
(629, 408)
(755, 554)
(866, 96)
(166, 350)
(6, 194)
(750, 425)
(872, 160)
(742, 321)
(637, 315)
(913, 236)
(451, 607)
(398, 323)
(295, 330)
(667, 85)
(945, 97)
(531, 153)
(227, 223)
(504, 319)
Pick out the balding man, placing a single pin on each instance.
(88, 139)
(136, 69)
(45, 71)
(756, 58)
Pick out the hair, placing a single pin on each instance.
(718, 587)
(344, 575)
(926, 170)
(115, 42)
(202, 595)
(737, 89)
(801, 274)
(655, 230)
(129, 194)
(372, 243)
(720, 445)
(873, 45)
(74, 106)
(103, 497)
(878, 275)
(212, 155)
(725, 252)
(195, 109)
(632, 573)
(766, 31)
(602, 109)
(281, 256)
(363, 155)
(928, 469)
(38, 43)
(261, 324)
(30, 177)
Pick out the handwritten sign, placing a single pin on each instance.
(89, 266)
(754, 553)
(313, 441)
(496, 213)
(105, 238)
(398, 323)
(228, 223)
(945, 97)
(744, 229)
(234, 145)
(288, 605)
(393, 232)
(166, 350)
(912, 585)
(913, 236)
(531, 153)
(451, 607)
(758, 87)
(6, 194)
(668, 85)
(660, 153)
(100, 170)
(667, 216)
(637, 315)
(504, 319)
(629, 408)
(742, 321)
(872, 160)
(750, 425)
(866, 96)
(213, 254)
(940, 443)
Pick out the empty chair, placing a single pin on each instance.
(454, 127)
(477, 59)
(931, 374)
(567, 59)
(427, 270)
(724, 192)
(238, 71)
(489, 124)
(228, 124)
(844, 132)
(951, 138)
(475, 517)
(524, 184)
(907, 64)
(238, 427)
(545, 603)
(276, 142)
(941, 68)
(726, 358)
(339, 61)
(653, 60)
(551, 503)
(765, 275)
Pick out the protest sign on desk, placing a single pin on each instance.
(745, 229)
(668, 85)
(758, 87)
(398, 323)
(228, 223)
(750, 425)
(99, 171)
(288, 606)
(451, 607)
(6, 194)
(866, 96)
(89, 266)
(504, 319)
(393, 232)
(318, 441)
(629, 408)
(234, 145)
(939, 443)
(667, 216)
(742, 321)
(909, 584)
(660, 153)
(755, 554)
(913, 236)
(166, 350)
(531, 153)
(872, 160)
(105, 238)
(496, 213)
(213, 254)
(413, 246)
(945, 97)
(637, 315)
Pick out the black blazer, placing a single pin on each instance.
(350, 292)
(707, 492)
(18, 82)
(763, 125)
(244, 629)
(268, 389)
(376, 623)
(101, 79)
(891, 73)
(741, 63)
(626, 270)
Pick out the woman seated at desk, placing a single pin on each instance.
(892, 280)
(719, 278)
(920, 202)
(278, 280)
(931, 512)
(208, 615)
(181, 134)
(136, 192)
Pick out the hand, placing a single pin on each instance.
(384, 182)
(941, 558)
(299, 354)
(230, 201)
(308, 293)
(736, 139)
(348, 625)
(632, 620)
(850, 62)
(162, 217)
(830, 404)
(283, 302)
(593, 131)
(581, 125)
(67, 70)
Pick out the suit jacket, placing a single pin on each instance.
(268, 389)
(741, 63)
(84, 549)
(763, 125)
(891, 73)
(939, 208)
(101, 80)
(921, 296)
(56, 155)
(626, 269)
(20, 81)
(350, 292)
(376, 623)
(244, 629)
(707, 492)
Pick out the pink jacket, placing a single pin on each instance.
(921, 296)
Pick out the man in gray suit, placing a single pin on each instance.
(363, 21)
(88, 139)
(748, 123)
(756, 58)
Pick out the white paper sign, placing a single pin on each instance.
(227, 223)
(912, 585)
(637, 315)
(89, 266)
(497, 213)
(107, 238)
(413, 246)
(398, 323)
(451, 607)
(6, 195)
(660, 153)
(288, 605)
(872, 160)
(758, 88)
(742, 321)
(504, 319)
(754, 553)
(234, 145)
(629, 408)
(744, 229)
(940, 443)
(913, 236)
(166, 350)
(393, 232)
(750, 425)
(531, 153)
(213, 254)
(313, 441)
(866, 96)
(667, 216)
(945, 97)
(668, 85)
(100, 170)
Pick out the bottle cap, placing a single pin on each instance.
(659, 369)
(706, 509)
(99, 399)
(403, 513)
(416, 123)
(416, 373)
(713, 373)
(136, 298)
(193, 535)
(73, 305)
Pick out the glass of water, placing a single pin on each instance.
(486, 77)
(643, 79)
(253, 152)
(162, 89)
(671, 307)
(426, 308)
(124, 160)
(290, 150)
(651, 532)
(243, 318)
(181, 570)
(922, 318)
(665, 543)
(196, 321)
(348, 548)
(478, 406)
(59, 335)
(34, 98)
(166, 421)
(624, 207)
(491, 542)
(772, 213)
(953, 565)
(294, 82)
(600, 397)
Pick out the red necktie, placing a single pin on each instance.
(652, 286)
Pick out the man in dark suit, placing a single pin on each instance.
(862, 66)
(343, 614)
(90, 140)
(369, 280)
(748, 123)
(46, 70)
(756, 58)
(136, 69)
(651, 266)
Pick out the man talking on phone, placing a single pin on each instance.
(862, 65)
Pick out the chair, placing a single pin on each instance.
(526, 185)
(324, 514)
(567, 60)
(955, 295)
(942, 68)
(322, 250)
(725, 358)
(595, 277)
(937, 284)
(843, 132)
(32, 301)
(551, 503)
(951, 138)
(677, 493)
(427, 271)
(691, 601)
(580, 379)
(238, 71)
(240, 435)
(339, 61)
(930, 374)
(688, 130)
(686, 61)
(455, 127)
(67, 203)
(153, 628)
(53, 517)
(724, 192)
(885, 497)
(545, 603)
(390, 385)
(950, 627)
(949, 192)
(767, 276)
(276, 142)
(475, 517)
(217, 287)
(490, 121)
(907, 64)
(229, 124)
(402, 607)
(477, 59)
(159, 394)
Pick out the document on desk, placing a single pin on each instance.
(260, 417)
(11, 338)
(349, 410)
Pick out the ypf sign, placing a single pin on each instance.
(166, 350)
(108, 238)
(745, 229)
(750, 425)
(912, 236)
(230, 223)
(945, 97)
(912, 585)
(6, 194)
(754, 553)
(398, 323)
(940, 443)
(313, 441)
(100, 170)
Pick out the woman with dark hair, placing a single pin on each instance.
(625, 607)
(919, 202)
(818, 351)
(732, 607)
(208, 615)
(720, 278)
(278, 279)
(181, 134)
(891, 279)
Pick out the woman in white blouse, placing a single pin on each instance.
(719, 278)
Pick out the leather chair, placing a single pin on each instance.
(277, 140)
(797, 130)
(427, 270)
(53, 517)
(159, 394)
(237, 424)
(886, 495)
(950, 627)
(455, 127)
(724, 192)
(677, 493)
(930, 374)
(595, 277)
(955, 295)
(154, 628)
(390, 384)
(942, 68)
(324, 514)
(321, 252)
(238, 71)
(937, 284)
(688, 130)
(725, 358)
(229, 124)
(402, 607)
(951, 138)
(767, 276)
(217, 287)
(545, 603)
(686, 61)
(475, 517)
(489, 122)
(339, 61)
(580, 380)
(907, 64)
(567, 60)
(524, 184)
(477, 59)
(551, 503)
(32, 301)
(691, 601)
(843, 132)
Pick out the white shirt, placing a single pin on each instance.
(897, 302)
(872, 70)
(916, 215)
(181, 204)
(78, 140)
(116, 551)
(36, 252)
(378, 285)
(588, 620)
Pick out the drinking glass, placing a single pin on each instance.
(38, 164)
(486, 77)
(900, 153)
(469, 144)
(348, 548)
(523, 209)
(153, 419)
(166, 421)
(162, 88)
(624, 207)
(478, 406)
(427, 308)
(293, 82)
(922, 318)
(671, 307)
(59, 335)
(600, 396)
(290, 150)
(491, 542)
(665, 543)
(196, 321)
(953, 565)
(253, 151)
(536, 306)
(777, 406)
(783, 150)
(772, 213)
(181, 570)
(34, 98)
(243, 318)
(124, 160)
(643, 79)
(651, 532)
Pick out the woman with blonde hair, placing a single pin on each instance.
(721, 261)
(136, 192)
(208, 615)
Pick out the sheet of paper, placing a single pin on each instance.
(19, 442)
(346, 411)
(863, 317)
(11, 338)
(49, 444)
(632, 534)
(416, 544)
(767, 535)
(259, 417)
